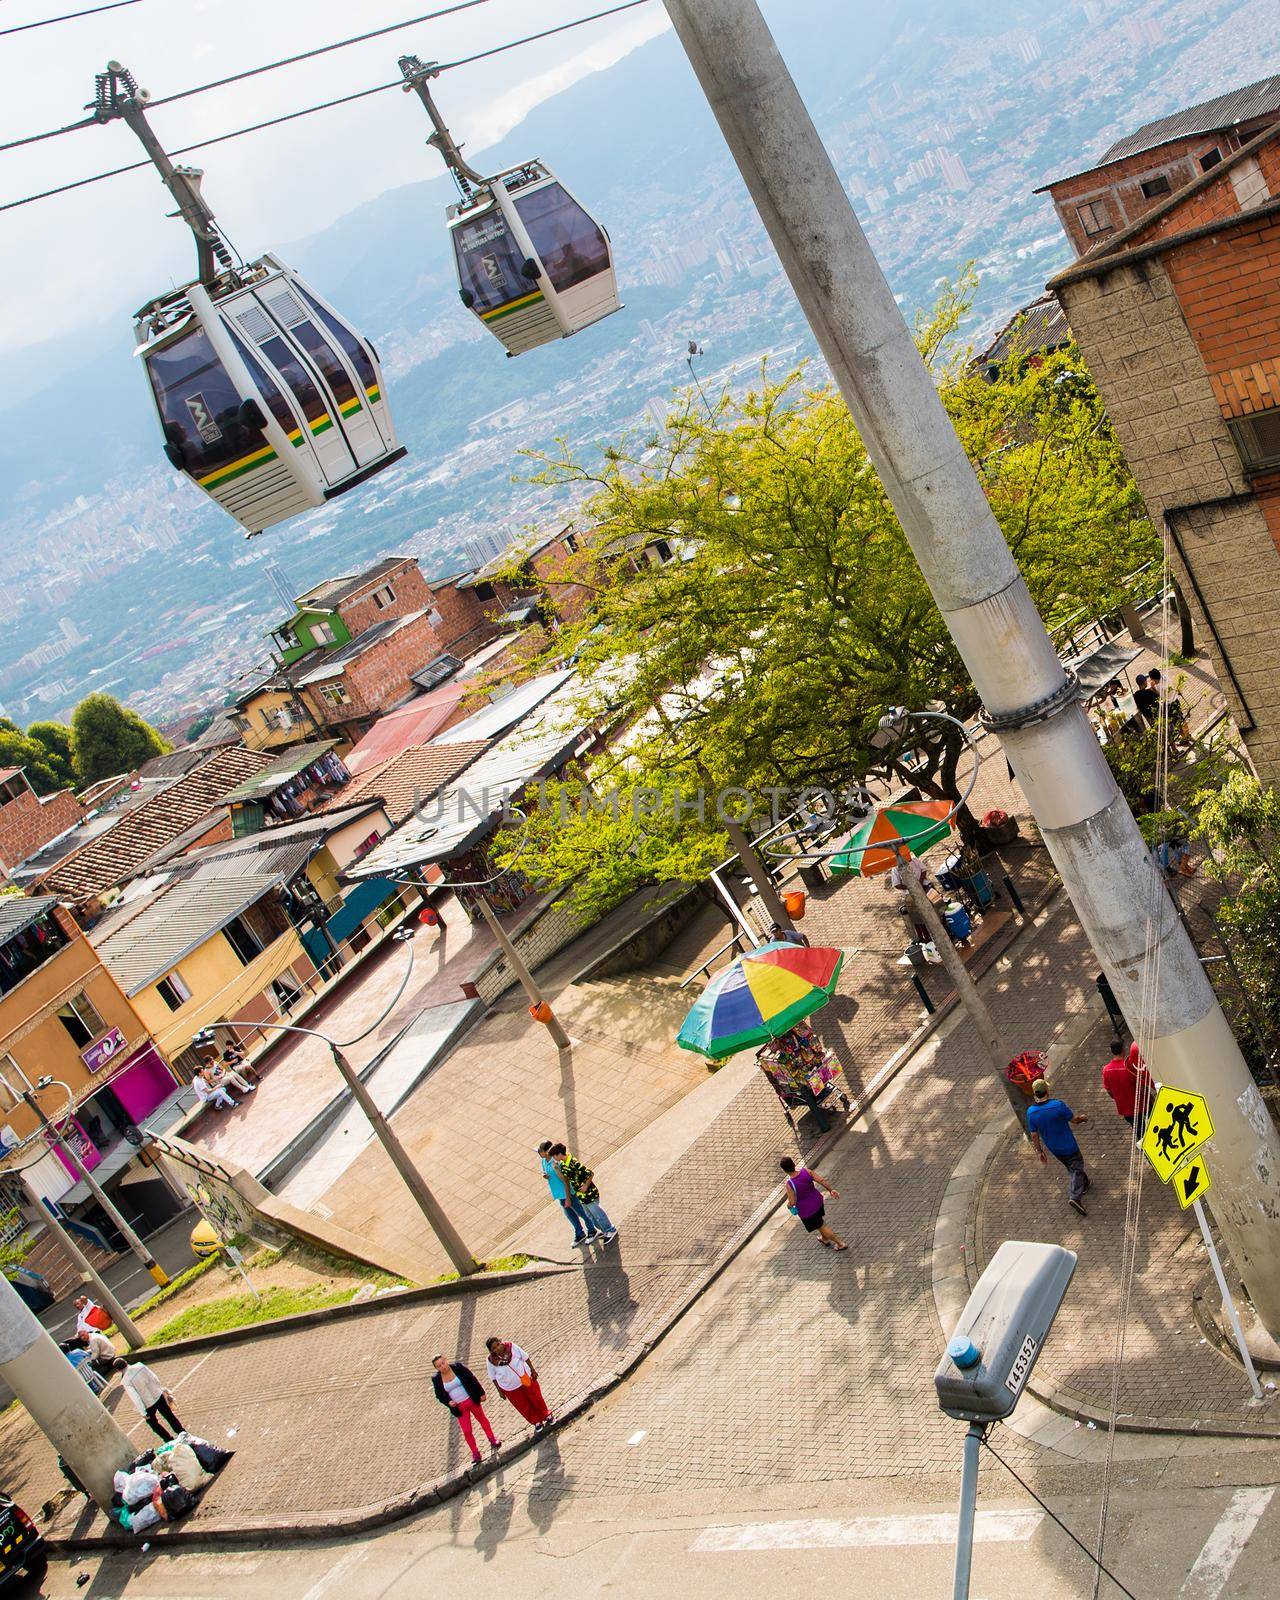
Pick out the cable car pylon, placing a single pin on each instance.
(268, 399)
(533, 264)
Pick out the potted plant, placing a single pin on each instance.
(998, 827)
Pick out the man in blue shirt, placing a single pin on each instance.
(584, 1230)
(1049, 1123)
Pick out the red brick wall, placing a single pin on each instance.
(380, 678)
(1119, 186)
(461, 614)
(26, 824)
(412, 593)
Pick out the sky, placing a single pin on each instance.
(77, 258)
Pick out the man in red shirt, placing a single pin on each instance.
(1127, 1081)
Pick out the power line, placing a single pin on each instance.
(253, 72)
(69, 16)
(307, 111)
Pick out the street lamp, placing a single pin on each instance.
(892, 727)
(423, 1198)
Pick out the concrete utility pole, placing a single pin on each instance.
(58, 1400)
(1030, 701)
(92, 1280)
(525, 977)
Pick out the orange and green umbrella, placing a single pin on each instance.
(759, 997)
(874, 845)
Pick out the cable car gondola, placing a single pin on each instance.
(533, 264)
(269, 400)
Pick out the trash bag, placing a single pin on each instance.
(139, 1487)
(177, 1501)
(157, 1502)
(210, 1457)
(180, 1459)
(142, 1518)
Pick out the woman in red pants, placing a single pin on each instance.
(513, 1372)
(457, 1387)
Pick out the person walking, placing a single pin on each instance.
(583, 1231)
(457, 1387)
(512, 1371)
(581, 1183)
(152, 1400)
(807, 1204)
(1049, 1122)
(1127, 1081)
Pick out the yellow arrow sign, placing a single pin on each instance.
(1191, 1180)
(1178, 1125)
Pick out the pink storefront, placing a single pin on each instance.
(136, 1090)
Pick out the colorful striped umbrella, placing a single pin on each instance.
(916, 823)
(759, 997)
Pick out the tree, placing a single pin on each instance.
(201, 725)
(795, 614)
(108, 738)
(56, 739)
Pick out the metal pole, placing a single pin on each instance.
(521, 971)
(1030, 701)
(426, 1202)
(123, 1321)
(997, 1050)
(58, 1400)
(55, 1135)
(756, 871)
(1233, 1316)
(968, 1510)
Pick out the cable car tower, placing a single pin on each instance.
(269, 400)
(533, 264)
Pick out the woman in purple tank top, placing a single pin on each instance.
(807, 1204)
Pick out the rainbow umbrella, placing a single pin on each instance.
(870, 848)
(759, 997)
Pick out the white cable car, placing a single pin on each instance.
(268, 399)
(533, 263)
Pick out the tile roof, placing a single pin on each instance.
(148, 937)
(1224, 111)
(412, 775)
(115, 856)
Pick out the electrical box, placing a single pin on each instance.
(1002, 1330)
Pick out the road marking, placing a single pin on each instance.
(1208, 1578)
(991, 1527)
(638, 1436)
(325, 1584)
(191, 1371)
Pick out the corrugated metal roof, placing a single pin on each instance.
(465, 812)
(280, 771)
(494, 719)
(1039, 326)
(147, 938)
(19, 911)
(1224, 111)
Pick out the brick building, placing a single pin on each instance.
(27, 822)
(1178, 316)
(1160, 159)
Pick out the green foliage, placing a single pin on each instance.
(200, 726)
(795, 613)
(15, 1252)
(44, 750)
(109, 739)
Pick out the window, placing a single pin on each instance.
(1153, 188)
(173, 991)
(243, 940)
(323, 633)
(11, 1083)
(1210, 159)
(81, 1021)
(199, 406)
(279, 717)
(1257, 438)
(334, 694)
(355, 351)
(1094, 217)
(384, 597)
(571, 245)
(489, 261)
(326, 358)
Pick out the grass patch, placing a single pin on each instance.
(177, 1285)
(499, 1264)
(245, 1310)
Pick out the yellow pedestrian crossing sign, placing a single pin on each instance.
(1191, 1180)
(1178, 1125)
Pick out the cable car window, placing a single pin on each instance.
(489, 261)
(276, 402)
(295, 375)
(199, 405)
(355, 351)
(572, 246)
(326, 358)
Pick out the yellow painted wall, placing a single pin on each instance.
(220, 986)
(260, 736)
